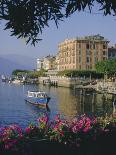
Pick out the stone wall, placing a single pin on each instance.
(60, 81)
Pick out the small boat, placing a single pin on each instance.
(16, 81)
(3, 78)
(37, 98)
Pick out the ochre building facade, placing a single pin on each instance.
(82, 53)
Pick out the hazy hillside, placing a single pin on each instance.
(10, 62)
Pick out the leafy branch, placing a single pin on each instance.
(27, 18)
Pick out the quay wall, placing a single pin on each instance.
(61, 81)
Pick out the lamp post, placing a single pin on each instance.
(90, 77)
(105, 76)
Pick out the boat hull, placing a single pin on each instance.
(38, 101)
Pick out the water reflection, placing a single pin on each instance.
(83, 101)
(70, 103)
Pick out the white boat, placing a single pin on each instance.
(3, 78)
(16, 81)
(37, 98)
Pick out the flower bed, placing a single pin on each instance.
(81, 135)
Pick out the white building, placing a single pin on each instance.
(49, 62)
(57, 62)
(39, 64)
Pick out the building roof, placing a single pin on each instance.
(97, 37)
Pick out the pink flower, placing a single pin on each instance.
(86, 129)
(57, 118)
(43, 119)
(75, 129)
(94, 121)
(28, 130)
(75, 120)
(15, 127)
(88, 124)
(7, 146)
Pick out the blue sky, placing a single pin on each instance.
(78, 25)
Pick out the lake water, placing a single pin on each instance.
(69, 103)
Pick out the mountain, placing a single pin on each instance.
(10, 62)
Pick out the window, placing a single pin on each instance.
(95, 59)
(97, 46)
(79, 45)
(91, 66)
(73, 59)
(109, 54)
(87, 52)
(87, 67)
(113, 54)
(87, 59)
(104, 52)
(79, 52)
(90, 59)
(90, 46)
(104, 58)
(87, 46)
(79, 59)
(104, 46)
(73, 53)
(93, 46)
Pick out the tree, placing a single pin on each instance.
(27, 18)
(28, 73)
(107, 66)
(18, 72)
(80, 73)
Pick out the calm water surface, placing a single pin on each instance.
(65, 101)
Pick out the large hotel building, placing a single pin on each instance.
(82, 53)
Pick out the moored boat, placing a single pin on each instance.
(3, 78)
(16, 81)
(37, 98)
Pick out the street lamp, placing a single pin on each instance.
(105, 76)
(90, 77)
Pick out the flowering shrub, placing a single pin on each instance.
(9, 136)
(72, 133)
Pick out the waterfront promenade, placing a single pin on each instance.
(63, 81)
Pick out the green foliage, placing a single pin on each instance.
(77, 73)
(81, 133)
(107, 66)
(36, 74)
(27, 19)
(29, 74)
(19, 72)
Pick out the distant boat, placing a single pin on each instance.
(37, 98)
(16, 81)
(3, 78)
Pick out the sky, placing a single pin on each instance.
(78, 25)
